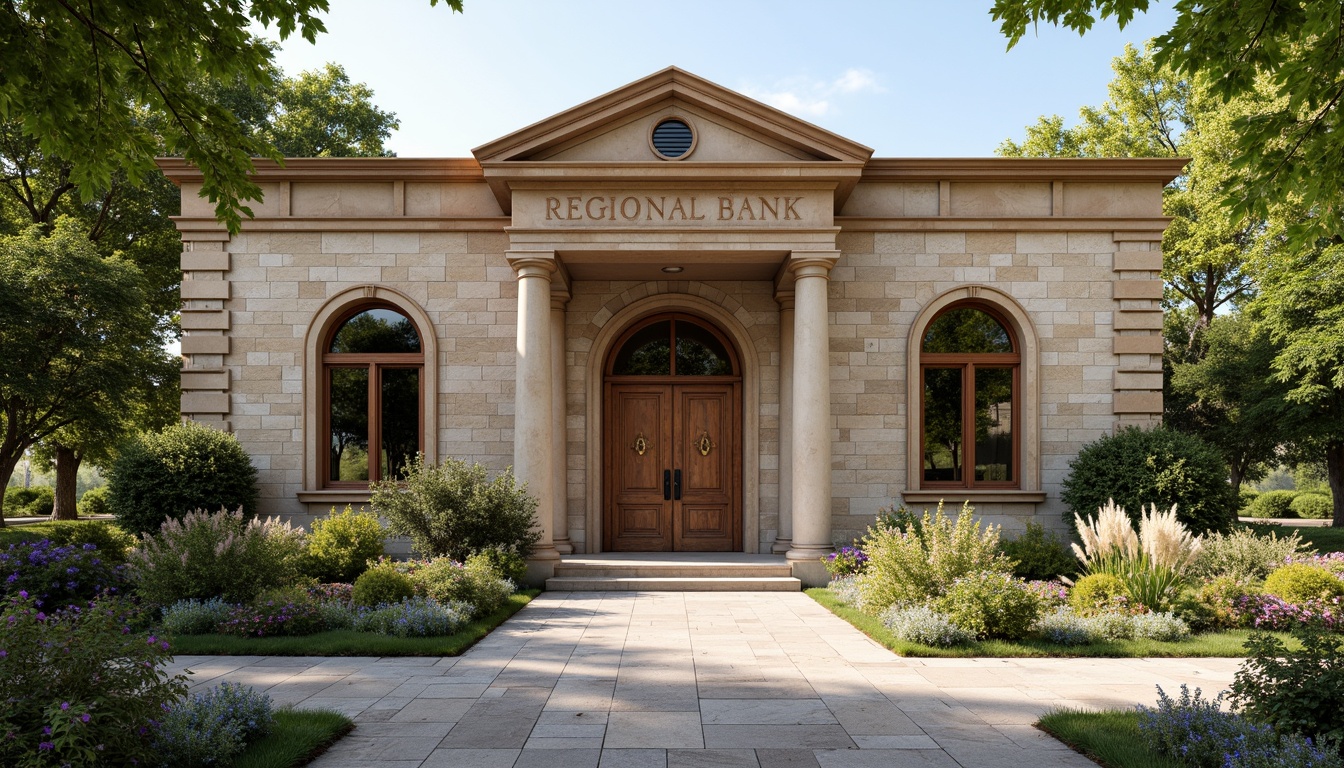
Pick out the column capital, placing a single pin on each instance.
(532, 263)
(812, 263)
(560, 295)
(784, 299)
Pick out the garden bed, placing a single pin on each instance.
(346, 642)
(1227, 644)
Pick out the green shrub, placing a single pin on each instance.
(476, 583)
(508, 565)
(58, 670)
(1040, 555)
(453, 510)
(1295, 691)
(112, 542)
(1095, 593)
(218, 554)
(991, 604)
(1272, 504)
(379, 586)
(195, 617)
(1312, 506)
(1299, 582)
(183, 468)
(912, 562)
(1230, 600)
(212, 728)
(1137, 467)
(1246, 495)
(1243, 554)
(93, 502)
(37, 501)
(341, 546)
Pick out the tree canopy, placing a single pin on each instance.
(1291, 147)
(103, 87)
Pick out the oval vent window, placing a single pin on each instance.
(672, 139)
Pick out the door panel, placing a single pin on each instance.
(680, 488)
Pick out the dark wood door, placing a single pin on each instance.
(673, 468)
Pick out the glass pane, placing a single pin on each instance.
(994, 424)
(400, 420)
(349, 423)
(699, 353)
(942, 425)
(967, 330)
(647, 353)
(376, 330)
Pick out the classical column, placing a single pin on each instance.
(532, 424)
(559, 465)
(811, 406)
(784, 540)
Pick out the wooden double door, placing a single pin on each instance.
(673, 471)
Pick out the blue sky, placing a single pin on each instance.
(908, 78)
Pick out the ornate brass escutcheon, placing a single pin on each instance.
(641, 444)
(703, 444)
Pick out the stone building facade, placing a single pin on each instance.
(686, 319)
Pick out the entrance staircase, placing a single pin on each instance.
(673, 572)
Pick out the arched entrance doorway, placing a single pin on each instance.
(672, 438)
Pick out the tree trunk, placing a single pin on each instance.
(1334, 470)
(6, 469)
(67, 472)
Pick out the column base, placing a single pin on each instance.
(781, 546)
(564, 547)
(805, 552)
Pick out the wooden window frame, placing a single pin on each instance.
(374, 363)
(673, 378)
(967, 363)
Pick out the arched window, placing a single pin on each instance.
(675, 345)
(372, 378)
(970, 369)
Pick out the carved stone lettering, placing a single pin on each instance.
(673, 208)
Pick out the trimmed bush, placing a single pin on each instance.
(991, 605)
(1244, 555)
(341, 545)
(185, 467)
(1040, 555)
(1298, 583)
(1312, 506)
(1095, 593)
(1272, 504)
(1246, 495)
(1138, 467)
(379, 586)
(93, 502)
(37, 501)
(453, 510)
(219, 554)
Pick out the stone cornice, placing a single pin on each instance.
(1162, 170)
(425, 169)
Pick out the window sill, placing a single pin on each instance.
(335, 496)
(988, 496)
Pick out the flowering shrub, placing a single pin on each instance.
(338, 615)
(1050, 594)
(1197, 731)
(270, 618)
(1332, 561)
(845, 561)
(1064, 627)
(211, 728)
(913, 559)
(475, 583)
(922, 624)
(112, 542)
(1164, 627)
(195, 617)
(989, 604)
(415, 617)
(1269, 612)
(218, 554)
(56, 575)
(79, 688)
(338, 592)
(845, 589)
(1244, 555)
(1110, 626)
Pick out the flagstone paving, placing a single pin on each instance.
(685, 680)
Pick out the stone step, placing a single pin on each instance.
(673, 584)
(672, 570)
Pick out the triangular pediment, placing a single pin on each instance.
(615, 127)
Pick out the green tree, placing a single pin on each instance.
(73, 334)
(1300, 304)
(103, 86)
(321, 113)
(1292, 145)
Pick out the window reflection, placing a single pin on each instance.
(967, 330)
(376, 330)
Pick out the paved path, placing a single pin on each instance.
(682, 680)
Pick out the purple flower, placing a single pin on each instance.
(65, 705)
(46, 746)
(23, 594)
(84, 718)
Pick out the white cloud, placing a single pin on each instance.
(812, 97)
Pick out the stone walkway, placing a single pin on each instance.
(683, 680)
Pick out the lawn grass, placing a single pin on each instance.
(1111, 738)
(346, 642)
(1229, 644)
(1322, 539)
(298, 736)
